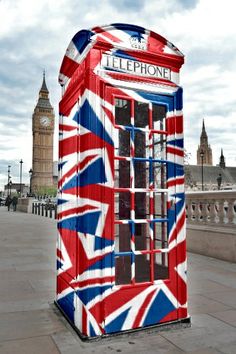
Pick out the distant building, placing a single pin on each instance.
(204, 152)
(43, 131)
(14, 188)
(222, 160)
(193, 176)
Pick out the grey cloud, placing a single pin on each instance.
(188, 4)
(129, 4)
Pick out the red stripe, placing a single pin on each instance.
(68, 146)
(174, 151)
(84, 321)
(75, 211)
(69, 100)
(59, 254)
(88, 141)
(106, 34)
(175, 182)
(63, 282)
(84, 283)
(138, 319)
(76, 168)
(66, 175)
(155, 45)
(66, 128)
(109, 114)
(178, 226)
(72, 93)
(114, 301)
(68, 66)
(174, 125)
(170, 317)
(137, 78)
(182, 312)
(181, 252)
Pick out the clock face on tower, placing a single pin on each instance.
(44, 121)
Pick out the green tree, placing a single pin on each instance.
(45, 190)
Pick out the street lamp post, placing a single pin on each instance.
(8, 180)
(30, 173)
(10, 183)
(202, 156)
(21, 162)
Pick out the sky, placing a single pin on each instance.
(34, 36)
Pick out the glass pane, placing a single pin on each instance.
(142, 268)
(141, 174)
(140, 144)
(158, 116)
(159, 175)
(161, 270)
(122, 142)
(122, 112)
(122, 205)
(141, 114)
(159, 142)
(122, 238)
(123, 270)
(122, 174)
(160, 235)
(142, 239)
(160, 205)
(141, 205)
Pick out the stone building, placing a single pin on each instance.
(43, 131)
(193, 177)
(204, 152)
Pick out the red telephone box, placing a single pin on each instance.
(121, 211)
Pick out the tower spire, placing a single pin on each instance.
(203, 129)
(43, 100)
(204, 147)
(44, 86)
(222, 159)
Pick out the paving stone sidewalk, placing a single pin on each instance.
(30, 323)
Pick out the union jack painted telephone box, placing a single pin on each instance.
(121, 212)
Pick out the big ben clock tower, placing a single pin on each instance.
(43, 130)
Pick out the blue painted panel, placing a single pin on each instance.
(86, 223)
(67, 305)
(89, 120)
(82, 39)
(90, 293)
(168, 101)
(159, 309)
(130, 29)
(117, 323)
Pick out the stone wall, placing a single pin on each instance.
(25, 205)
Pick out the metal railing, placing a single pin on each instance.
(47, 210)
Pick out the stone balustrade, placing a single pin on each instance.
(211, 208)
(211, 224)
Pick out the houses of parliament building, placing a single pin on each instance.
(205, 172)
